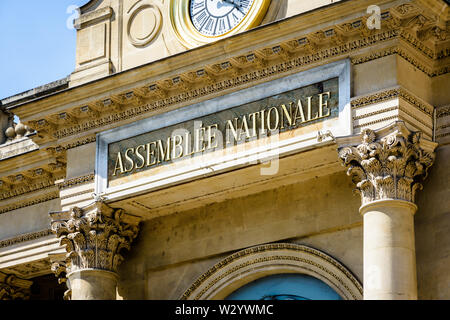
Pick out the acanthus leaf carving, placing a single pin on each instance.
(96, 236)
(388, 167)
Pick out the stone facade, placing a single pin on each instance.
(189, 225)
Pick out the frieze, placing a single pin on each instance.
(442, 135)
(375, 113)
(76, 181)
(392, 94)
(31, 270)
(375, 98)
(370, 123)
(18, 205)
(294, 54)
(26, 188)
(76, 194)
(25, 237)
(255, 75)
(443, 112)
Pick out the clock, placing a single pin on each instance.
(198, 22)
(213, 18)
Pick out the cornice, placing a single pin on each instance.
(443, 112)
(267, 69)
(389, 94)
(51, 194)
(75, 181)
(359, 102)
(443, 123)
(33, 157)
(26, 188)
(30, 173)
(30, 180)
(25, 237)
(370, 114)
(165, 91)
(371, 123)
(424, 64)
(415, 111)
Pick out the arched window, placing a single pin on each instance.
(290, 286)
(265, 272)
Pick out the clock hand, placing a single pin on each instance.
(237, 4)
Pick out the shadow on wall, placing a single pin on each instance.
(277, 11)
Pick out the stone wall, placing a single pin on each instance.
(171, 252)
(432, 225)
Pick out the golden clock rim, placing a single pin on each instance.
(190, 37)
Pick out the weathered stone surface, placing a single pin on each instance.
(14, 288)
(95, 237)
(389, 166)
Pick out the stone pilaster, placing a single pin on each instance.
(95, 238)
(14, 288)
(387, 167)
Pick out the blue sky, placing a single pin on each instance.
(36, 46)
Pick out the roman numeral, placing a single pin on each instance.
(201, 17)
(221, 25)
(209, 24)
(197, 6)
(245, 3)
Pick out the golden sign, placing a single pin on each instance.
(262, 118)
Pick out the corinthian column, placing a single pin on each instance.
(95, 238)
(387, 167)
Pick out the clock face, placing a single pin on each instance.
(214, 18)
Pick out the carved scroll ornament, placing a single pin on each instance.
(14, 288)
(389, 166)
(96, 236)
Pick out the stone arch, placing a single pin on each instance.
(257, 262)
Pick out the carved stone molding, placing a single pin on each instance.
(95, 236)
(59, 268)
(13, 288)
(261, 261)
(388, 163)
(401, 26)
(64, 184)
(392, 94)
(443, 112)
(25, 237)
(30, 269)
(53, 194)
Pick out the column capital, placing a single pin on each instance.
(388, 163)
(95, 236)
(14, 288)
